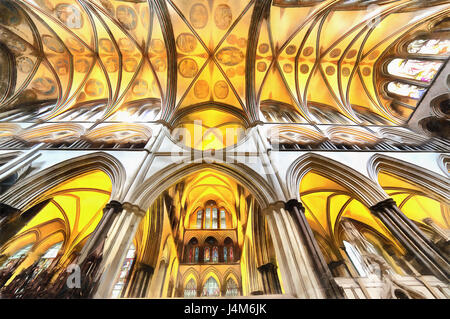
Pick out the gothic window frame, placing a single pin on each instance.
(418, 87)
(236, 291)
(209, 279)
(210, 244)
(20, 253)
(192, 290)
(228, 250)
(211, 213)
(192, 251)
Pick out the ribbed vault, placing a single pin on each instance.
(310, 55)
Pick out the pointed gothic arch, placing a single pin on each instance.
(365, 190)
(29, 189)
(150, 189)
(422, 177)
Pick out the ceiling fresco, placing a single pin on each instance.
(235, 55)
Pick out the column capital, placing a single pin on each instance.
(267, 267)
(277, 206)
(133, 209)
(117, 206)
(379, 207)
(290, 204)
(144, 267)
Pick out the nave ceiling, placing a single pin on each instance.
(226, 56)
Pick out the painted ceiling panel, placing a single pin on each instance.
(325, 54)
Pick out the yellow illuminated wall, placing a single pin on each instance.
(209, 130)
(414, 201)
(327, 202)
(72, 214)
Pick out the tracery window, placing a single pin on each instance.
(414, 67)
(190, 290)
(207, 254)
(215, 254)
(211, 217)
(429, 46)
(232, 288)
(123, 275)
(223, 220)
(211, 251)
(214, 218)
(407, 90)
(18, 255)
(211, 288)
(199, 219)
(423, 71)
(228, 250)
(46, 260)
(192, 251)
(208, 217)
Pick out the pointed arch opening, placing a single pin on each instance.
(56, 223)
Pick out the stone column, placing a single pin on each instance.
(297, 274)
(412, 239)
(140, 280)
(99, 235)
(331, 288)
(270, 279)
(117, 243)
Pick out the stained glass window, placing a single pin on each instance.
(223, 220)
(215, 254)
(231, 253)
(120, 283)
(214, 219)
(414, 69)
(191, 254)
(232, 288)
(22, 253)
(19, 254)
(208, 218)
(411, 91)
(190, 290)
(199, 219)
(46, 259)
(207, 254)
(211, 288)
(52, 252)
(430, 46)
(225, 254)
(196, 255)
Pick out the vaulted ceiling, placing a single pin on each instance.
(192, 56)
